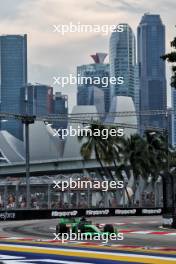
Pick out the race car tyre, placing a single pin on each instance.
(81, 227)
(61, 229)
(108, 228)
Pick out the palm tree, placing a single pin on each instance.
(113, 155)
(95, 144)
(158, 153)
(135, 155)
(108, 151)
(135, 158)
(171, 58)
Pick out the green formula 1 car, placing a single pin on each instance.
(82, 225)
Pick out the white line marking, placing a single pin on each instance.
(141, 232)
(91, 252)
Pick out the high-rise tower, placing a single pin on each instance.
(122, 52)
(13, 76)
(151, 46)
(97, 69)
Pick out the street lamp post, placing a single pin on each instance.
(27, 120)
(171, 181)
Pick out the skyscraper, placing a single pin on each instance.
(96, 69)
(93, 96)
(137, 93)
(122, 53)
(13, 76)
(151, 46)
(60, 108)
(40, 99)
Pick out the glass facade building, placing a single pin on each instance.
(151, 46)
(13, 76)
(122, 52)
(93, 96)
(60, 106)
(40, 99)
(97, 69)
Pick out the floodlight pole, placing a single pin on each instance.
(171, 179)
(27, 120)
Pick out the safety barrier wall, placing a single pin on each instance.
(51, 214)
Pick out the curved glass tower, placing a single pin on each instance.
(122, 55)
(151, 46)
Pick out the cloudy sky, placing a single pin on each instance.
(51, 54)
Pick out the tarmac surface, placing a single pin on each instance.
(138, 231)
(145, 241)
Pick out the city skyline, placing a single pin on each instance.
(47, 49)
(87, 131)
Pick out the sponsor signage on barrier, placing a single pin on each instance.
(125, 211)
(7, 216)
(97, 212)
(64, 214)
(151, 211)
(49, 214)
(167, 221)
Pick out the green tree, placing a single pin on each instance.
(96, 145)
(157, 152)
(135, 158)
(108, 152)
(171, 58)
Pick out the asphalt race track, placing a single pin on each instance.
(33, 242)
(138, 231)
